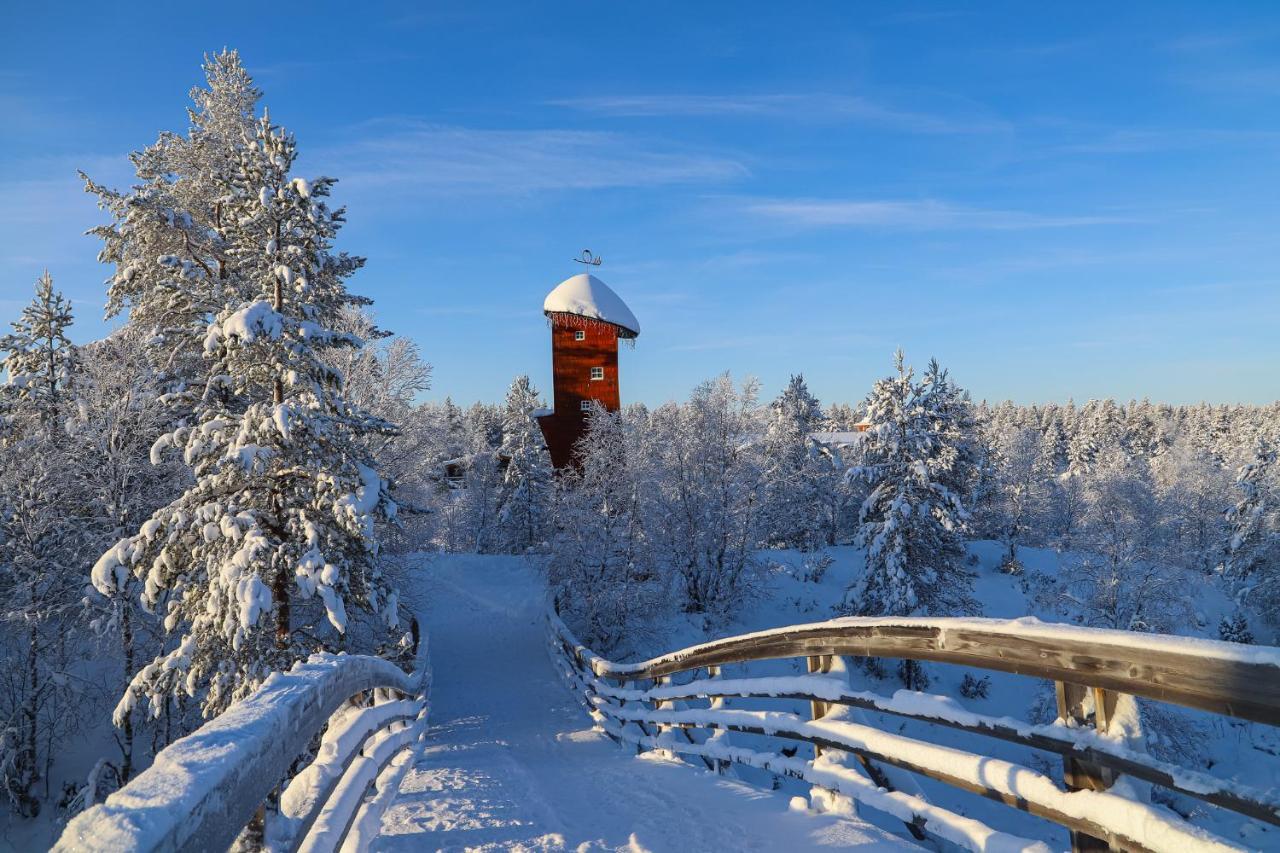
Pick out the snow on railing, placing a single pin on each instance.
(1095, 672)
(202, 791)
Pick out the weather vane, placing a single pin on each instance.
(588, 259)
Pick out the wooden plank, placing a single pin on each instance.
(211, 816)
(806, 773)
(1085, 826)
(817, 707)
(295, 831)
(662, 704)
(1092, 669)
(1217, 684)
(716, 703)
(1257, 804)
(1078, 774)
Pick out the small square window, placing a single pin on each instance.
(580, 335)
(585, 405)
(597, 373)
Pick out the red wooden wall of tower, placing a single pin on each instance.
(572, 361)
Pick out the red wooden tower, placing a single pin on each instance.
(587, 321)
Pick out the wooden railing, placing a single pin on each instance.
(1095, 674)
(208, 790)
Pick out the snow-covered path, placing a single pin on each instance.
(511, 761)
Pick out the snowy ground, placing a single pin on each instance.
(511, 761)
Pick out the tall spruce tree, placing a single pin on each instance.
(42, 546)
(919, 467)
(168, 237)
(277, 533)
(1252, 562)
(527, 485)
(794, 468)
(41, 360)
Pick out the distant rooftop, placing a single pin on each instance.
(584, 295)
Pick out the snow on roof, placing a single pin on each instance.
(587, 296)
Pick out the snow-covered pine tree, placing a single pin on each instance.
(1118, 578)
(1141, 436)
(474, 513)
(600, 572)
(527, 484)
(1252, 563)
(919, 467)
(446, 444)
(839, 417)
(121, 412)
(42, 545)
(174, 269)
(41, 361)
(794, 466)
(1021, 481)
(1083, 444)
(1235, 629)
(384, 378)
(1053, 441)
(703, 511)
(285, 497)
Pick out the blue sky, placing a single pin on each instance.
(1055, 200)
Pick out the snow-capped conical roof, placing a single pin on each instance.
(584, 295)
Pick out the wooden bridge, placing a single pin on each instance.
(369, 719)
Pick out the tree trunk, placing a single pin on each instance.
(280, 584)
(126, 728)
(28, 773)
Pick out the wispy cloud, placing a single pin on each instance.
(25, 113)
(927, 215)
(44, 213)
(1209, 42)
(406, 155)
(812, 107)
(1141, 141)
(779, 340)
(488, 311)
(1250, 80)
(325, 66)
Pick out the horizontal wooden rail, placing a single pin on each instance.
(1233, 680)
(911, 809)
(1030, 793)
(348, 737)
(1223, 678)
(202, 790)
(1079, 742)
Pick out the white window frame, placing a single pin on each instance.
(597, 373)
(580, 335)
(585, 405)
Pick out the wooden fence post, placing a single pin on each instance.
(818, 708)
(633, 685)
(1078, 775)
(658, 705)
(717, 735)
